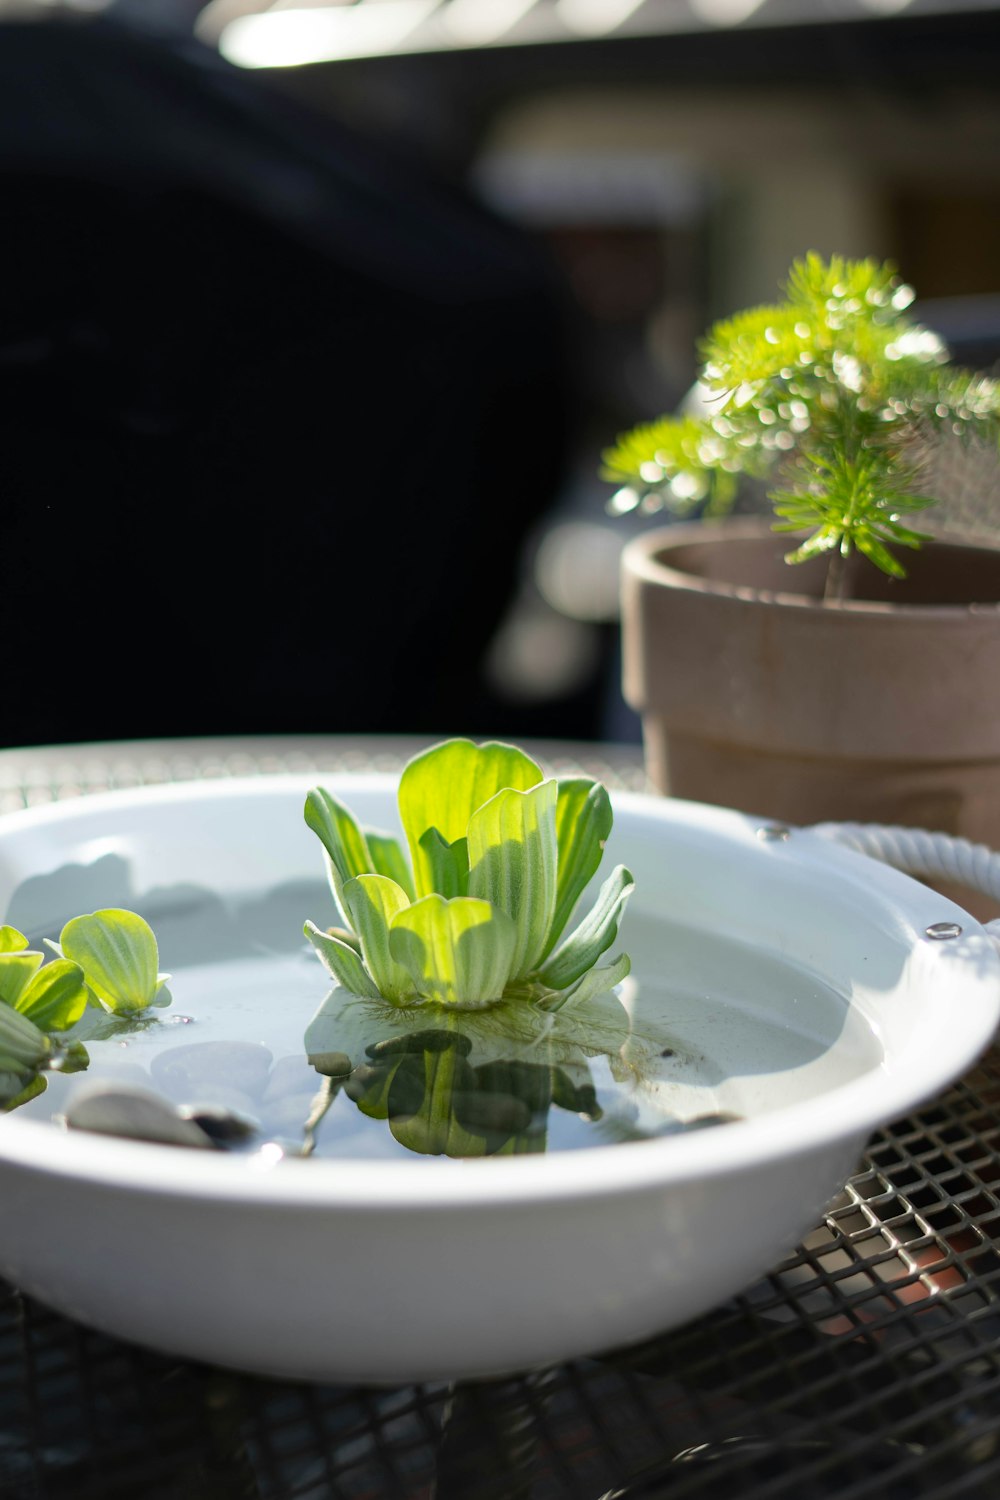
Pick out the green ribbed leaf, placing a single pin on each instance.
(513, 859)
(457, 952)
(583, 826)
(444, 786)
(17, 970)
(56, 998)
(388, 859)
(342, 962)
(117, 952)
(12, 941)
(448, 864)
(372, 902)
(23, 1093)
(592, 937)
(73, 1058)
(347, 851)
(594, 982)
(22, 1044)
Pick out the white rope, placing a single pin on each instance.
(917, 852)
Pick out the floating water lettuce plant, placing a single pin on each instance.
(499, 856)
(118, 955)
(52, 997)
(37, 1005)
(106, 963)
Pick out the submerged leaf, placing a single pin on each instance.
(337, 1037)
(424, 1087)
(99, 1025)
(457, 952)
(445, 785)
(117, 952)
(369, 1030)
(513, 865)
(476, 1082)
(342, 961)
(410, 1079)
(321, 1103)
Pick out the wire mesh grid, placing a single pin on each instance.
(865, 1367)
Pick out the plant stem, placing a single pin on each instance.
(329, 1091)
(836, 578)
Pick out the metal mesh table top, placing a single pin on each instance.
(866, 1365)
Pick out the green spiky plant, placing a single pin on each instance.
(499, 856)
(833, 397)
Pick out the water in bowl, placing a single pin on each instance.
(703, 1032)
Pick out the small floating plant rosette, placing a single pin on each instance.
(104, 976)
(499, 857)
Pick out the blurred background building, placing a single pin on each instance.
(316, 317)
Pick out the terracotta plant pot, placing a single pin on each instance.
(756, 695)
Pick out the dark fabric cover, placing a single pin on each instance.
(277, 408)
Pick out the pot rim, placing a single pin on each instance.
(642, 560)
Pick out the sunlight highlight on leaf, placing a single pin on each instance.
(457, 952)
(513, 857)
(56, 998)
(583, 825)
(372, 902)
(444, 786)
(117, 952)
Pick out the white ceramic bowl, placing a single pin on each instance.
(386, 1271)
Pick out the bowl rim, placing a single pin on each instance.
(845, 1115)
